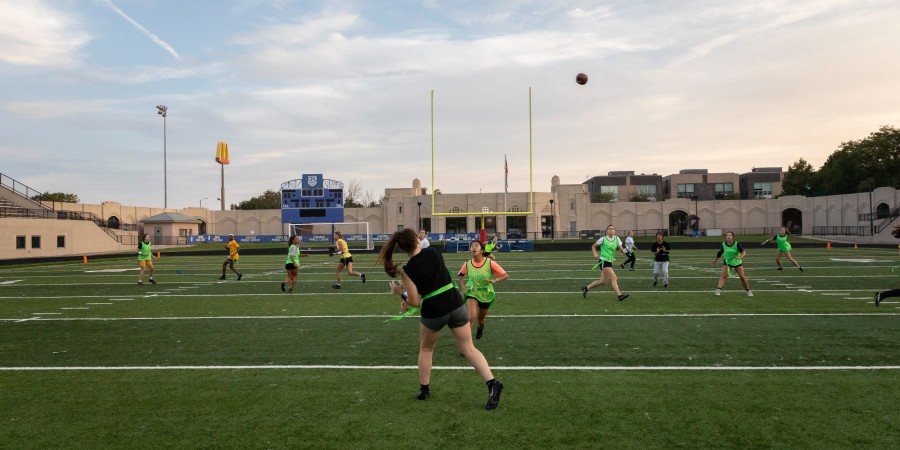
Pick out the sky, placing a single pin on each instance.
(367, 91)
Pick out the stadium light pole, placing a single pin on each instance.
(163, 111)
(552, 219)
(420, 215)
(201, 201)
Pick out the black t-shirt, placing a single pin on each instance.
(429, 273)
(663, 254)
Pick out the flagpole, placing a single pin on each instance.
(505, 183)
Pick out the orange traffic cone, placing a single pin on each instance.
(828, 246)
(158, 254)
(85, 259)
(854, 246)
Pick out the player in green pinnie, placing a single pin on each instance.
(478, 291)
(784, 248)
(733, 253)
(608, 245)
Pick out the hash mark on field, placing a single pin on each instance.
(520, 368)
(80, 307)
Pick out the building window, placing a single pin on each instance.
(60, 242)
(400, 209)
(724, 189)
(762, 190)
(515, 208)
(20, 242)
(455, 209)
(485, 209)
(647, 191)
(614, 190)
(685, 190)
(35, 242)
(572, 205)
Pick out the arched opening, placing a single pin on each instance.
(113, 222)
(792, 219)
(882, 211)
(202, 228)
(678, 223)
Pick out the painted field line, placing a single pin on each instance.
(517, 368)
(80, 307)
(99, 303)
(499, 316)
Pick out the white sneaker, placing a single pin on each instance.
(718, 292)
(749, 293)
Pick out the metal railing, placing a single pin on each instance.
(22, 189)
(863, 230)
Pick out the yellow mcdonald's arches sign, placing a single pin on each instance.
(222, 153)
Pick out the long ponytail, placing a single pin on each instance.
(405, 240)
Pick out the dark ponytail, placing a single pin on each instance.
(405, 240)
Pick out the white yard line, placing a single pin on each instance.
(516, 368)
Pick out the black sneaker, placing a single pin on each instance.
(336, 286)
(362, 276)
(779, 269)
(622, 266)
(290, 290)
(801, 269)
(494, 391)
(239, 276)
(423, 393)
(479, 333)
(877, 299)
(282, 286)
(623, 297)
(151, 281)
(654, 284)
(584, 291)
(666, 285)
(222, 277)
(140, 283)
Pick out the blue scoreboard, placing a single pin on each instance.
(312, 199)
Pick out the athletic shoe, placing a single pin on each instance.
(666, 285)
(363, 277)
(282, 286)
(801, 269)
(780, 268)
(718, 292)
(877, 299)
(631, 269)
(623, 297)
(239, 276)
(140, 283)
(623, 266)
(151, 280)
(336, 286)
(423, 393)
(479, 333)
(222, 277)
(749, 293)
(494, 391)
(654, 284)
(290, 290)
(584, 291)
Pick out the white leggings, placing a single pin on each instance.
(661, 265)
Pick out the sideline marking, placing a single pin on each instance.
(504, 316)
(530, 368)
(11, 281)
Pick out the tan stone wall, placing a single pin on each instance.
(81, 238)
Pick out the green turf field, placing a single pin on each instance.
(88, 359)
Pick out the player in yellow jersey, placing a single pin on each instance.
(233, 247)
(346, 260)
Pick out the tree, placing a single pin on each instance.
(602, 197)
(354, 195)
(56, 197)
(859, 166)
(799, 179)
(638, 197)
(268, 200)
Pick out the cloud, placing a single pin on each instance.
(33, 33)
